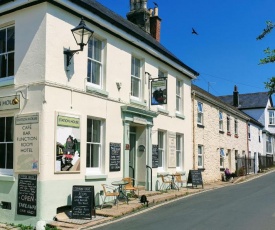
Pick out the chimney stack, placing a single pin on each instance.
(236, 97)
(146, 19)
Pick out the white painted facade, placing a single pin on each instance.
(51, 90)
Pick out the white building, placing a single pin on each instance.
(89, 121)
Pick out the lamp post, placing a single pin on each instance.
(82, 35)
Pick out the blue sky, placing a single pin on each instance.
(226, 52)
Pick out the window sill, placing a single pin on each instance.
(181, 116)
(200, 126)
(97, 91)
(6, 81)
(236, 135)
(163, 111)
(221, 132)
(228, 134)
(133, 101)
(96, 177)
(7, 178)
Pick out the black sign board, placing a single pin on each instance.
(27, 192)
(115, 150)
(195, 178)
(83, 202)
(155, 156)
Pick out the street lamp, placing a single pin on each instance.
(82, 35)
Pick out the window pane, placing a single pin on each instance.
(89, 130)
(89, 71)
(3, 66)
(11, 64)
(96, 72)
(199, 160)
(10, 39)
(2, 155)
(97, 50)
(9, 129)
(88, 156)
(135, 87)
(137, 68)
(2, 41)
(160, 153)
(2, 129)
(95, 156)
(10, 156)
(96, 131)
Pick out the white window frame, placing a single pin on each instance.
(271, 117)
(179, 98)
(200, 113)
(161, 149)
(236, 126)
(179, 151)
(99, 62)
(95, 170)
(6, 54)
(268, 144)
(222, 155)
(249, 131)
(200, 156)
(228, 124)
(7, 171)
(136, 75)
(220, 121)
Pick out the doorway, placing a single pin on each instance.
(132, 153)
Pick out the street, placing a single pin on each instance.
(250, 205)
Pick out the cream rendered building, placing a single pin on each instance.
(90, 122)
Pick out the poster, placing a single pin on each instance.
(67, 143)
(159, 91)
(27, 143)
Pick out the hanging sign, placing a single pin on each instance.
(159, 91)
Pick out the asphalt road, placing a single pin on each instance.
(246, 206)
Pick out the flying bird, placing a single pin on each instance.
(155, 4)
(194, 32)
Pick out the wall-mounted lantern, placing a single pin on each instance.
(141, 148)
(82, 35)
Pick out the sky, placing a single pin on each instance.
(225, 52)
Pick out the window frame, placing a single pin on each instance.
(228, 124)
(161, 149)
(271, 117)
(200, 113)
(95, 170)
(7, 53)
(236, 126)
(138, 78)
(220, 121)
(179, 96)
(222, 155)
(5, 142)
(179, 151)
(200, 156)
(92, 60)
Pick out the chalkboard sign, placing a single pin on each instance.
(195, 178)
(27, 192)
(155, 156)
(83, 202)
(115, 150)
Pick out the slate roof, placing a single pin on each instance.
(225, 104)
(250, 100)
(129, 27)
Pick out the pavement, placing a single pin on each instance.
(110, 213)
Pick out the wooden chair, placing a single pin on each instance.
(166, 183)
(178, 179)
(109, 191)
(129, 186)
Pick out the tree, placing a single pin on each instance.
(270, 57)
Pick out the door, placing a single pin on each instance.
(132, 157)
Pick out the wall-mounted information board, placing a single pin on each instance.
(115, 152)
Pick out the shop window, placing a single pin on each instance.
(6, 145)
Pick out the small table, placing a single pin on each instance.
(173, 184)
(120, 184)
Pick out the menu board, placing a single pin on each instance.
(155, 156)
(115, 151)
(82, 202)
(27, 192)
(195, 178)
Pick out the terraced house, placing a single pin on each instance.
(87, 108)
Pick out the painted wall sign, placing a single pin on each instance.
(26, 195)
(67, 144)
(159, 91)
(172, 150)
(6, 103)
(115, 152)
(27, 143)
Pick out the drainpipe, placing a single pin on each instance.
(194, 140)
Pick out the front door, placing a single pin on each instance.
(132, 156)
